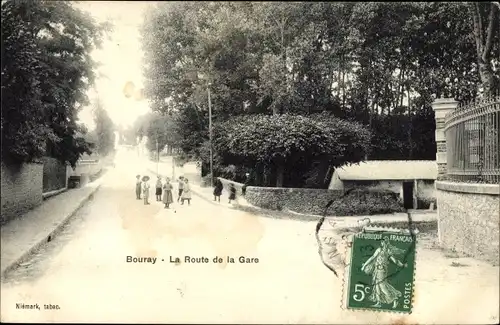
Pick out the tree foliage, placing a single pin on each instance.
(157, 127)
(381, 64)
(46, 71)
(284, 141)
(104, 130)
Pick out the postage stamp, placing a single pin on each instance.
(380, 275)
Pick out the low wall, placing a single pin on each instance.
(393, 186)
(54, 174)
(85, 168)
(21, 189)
(302, 200)
(226, 183)
(468, 219)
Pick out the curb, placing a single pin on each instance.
(213, 202)
(50, 194)
(50, 236)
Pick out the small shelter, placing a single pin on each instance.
(413, 180)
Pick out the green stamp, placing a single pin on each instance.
(382, 268)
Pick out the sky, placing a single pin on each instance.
(120, 58)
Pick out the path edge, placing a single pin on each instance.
(52, 234)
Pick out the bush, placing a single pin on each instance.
(282, 142)
(365, 202)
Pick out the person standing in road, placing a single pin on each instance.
(168, 198)
(232, 193)
(181, 188)
(138, 187)
(158, 189)
(218, 190)
(145, 189)
(186, 193)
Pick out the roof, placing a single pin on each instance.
(389, 170)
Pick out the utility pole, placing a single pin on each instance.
(210, 135)
(173, 165)
(157, 156)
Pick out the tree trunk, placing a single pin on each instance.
(410, 128)
(484, 44)
(259, 175)
(280, 175)
(487, 79)
(283, 58)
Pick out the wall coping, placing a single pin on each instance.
(292, 189)
(474, 188)
(230, 181)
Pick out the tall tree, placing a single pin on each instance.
(378, 63)
(61, 39)
(104, 130)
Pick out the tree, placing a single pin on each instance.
(55, 40)
(486, 20)
(282, 141)
(22, 125)
(162, 129)
(104, 130)
(381, 64)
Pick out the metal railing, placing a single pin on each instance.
(473, 143)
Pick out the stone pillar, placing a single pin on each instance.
(441, 107)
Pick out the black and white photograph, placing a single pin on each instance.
(253, 162)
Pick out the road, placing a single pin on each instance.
(85, 270)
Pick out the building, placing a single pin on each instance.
(413, 180)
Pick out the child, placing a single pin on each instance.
(145, 189)
(181, 187)
(158, 189)
(138, 185)
(218, 190)
(232, 193)
(186, 193)
(167, 194)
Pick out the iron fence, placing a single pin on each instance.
(473, 143)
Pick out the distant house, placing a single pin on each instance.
(413, 180)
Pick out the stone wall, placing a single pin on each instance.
(21, 189)
(54, 174)
(468, 219)
(302, 200)
(226, 183)
(393, 186)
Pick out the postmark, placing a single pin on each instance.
(381, 271)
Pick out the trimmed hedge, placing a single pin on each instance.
(366, 202)
(314, 201)
(302, 200)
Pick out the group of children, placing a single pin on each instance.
(218, 187)
(142, 187)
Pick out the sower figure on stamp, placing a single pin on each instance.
(378, 267)
(138, 187)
